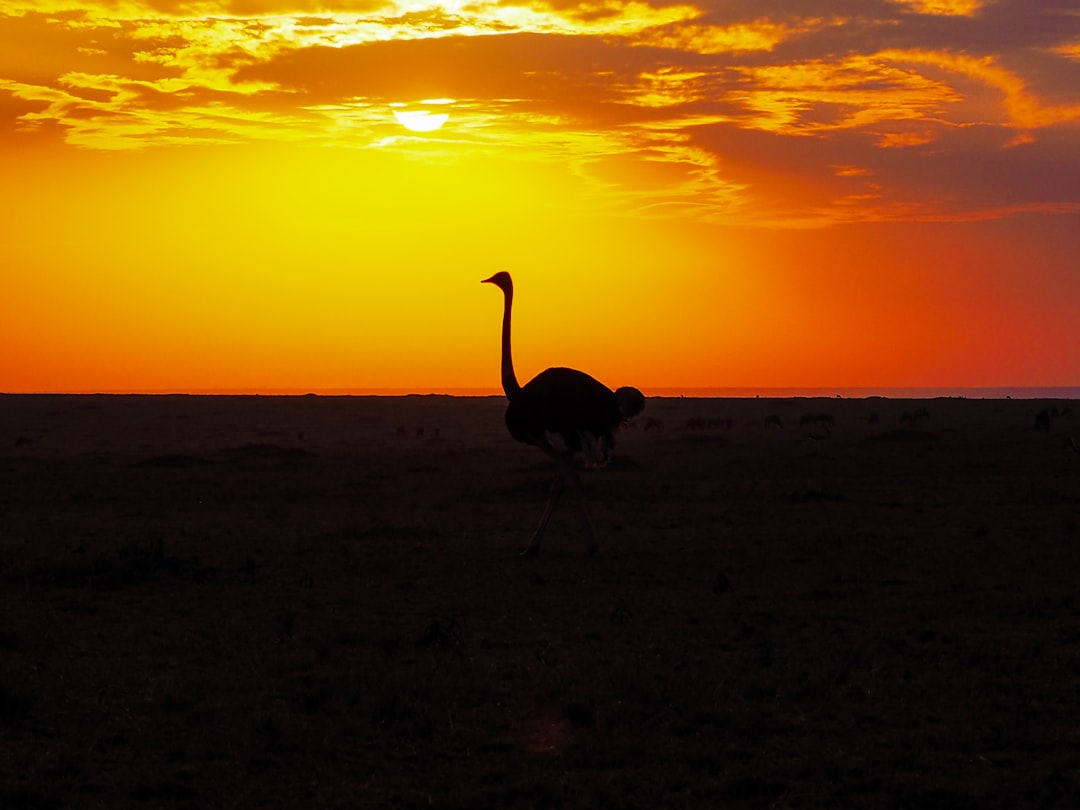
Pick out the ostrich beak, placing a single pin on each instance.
(487, 280)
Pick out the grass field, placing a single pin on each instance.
(304, 602)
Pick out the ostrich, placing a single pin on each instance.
(567, 414)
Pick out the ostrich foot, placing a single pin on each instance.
(531, 550)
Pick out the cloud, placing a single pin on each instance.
(730, 109)
(945, 8)
(1018, 106)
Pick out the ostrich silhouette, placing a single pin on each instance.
(566, 413)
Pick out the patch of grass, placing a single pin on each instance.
(811, 496)
(135, 562)
(377, 529)
(15, 704)
(904, 435)
(173, 461)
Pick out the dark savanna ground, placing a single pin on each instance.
(282, 602)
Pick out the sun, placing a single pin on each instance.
(418, 117)
(420, 120)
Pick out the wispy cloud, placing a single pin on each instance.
(946, 8)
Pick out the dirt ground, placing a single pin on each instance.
(317, 602)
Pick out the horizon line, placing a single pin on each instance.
(703, 392)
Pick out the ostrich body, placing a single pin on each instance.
(566, 413)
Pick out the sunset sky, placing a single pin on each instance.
(304, 194)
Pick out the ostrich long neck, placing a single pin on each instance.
(509, 379)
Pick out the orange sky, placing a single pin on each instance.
(224, 194)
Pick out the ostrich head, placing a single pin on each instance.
(631, 401)
(501, 280)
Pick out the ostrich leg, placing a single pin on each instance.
(575, 482)
(566, 475)
(557, 486)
